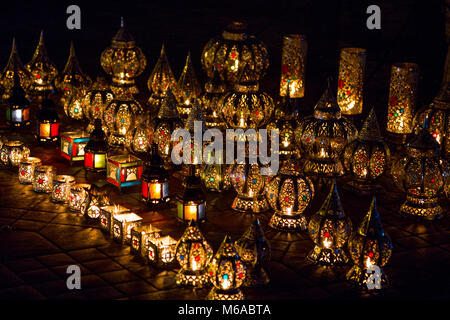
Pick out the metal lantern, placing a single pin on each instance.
(139, 140)
(47, 128)
(77, 196)
(289, 194)
(106, 216)
(141, 235)
(61, 188)
(368, 157)
(155, 180)
(216, 177)
(191, 202)
(189, 88)
(211, 101)
(233, 50)
(120, 116)
(227, 272)
(161, 251)
(13, 66)
(369, 246)
(42, 71)
(323, 137)
(73, 106)
(13, 152)
(402, 97)
(124, 61)
(95, 101)
(160, 81)
(18, 109)
(330, 229)
(254, 251)
(96, 149)
(26, 169)
(73, 144)
(193, 253)
(122, 225)
(124, 170)
(97, 198)
(351, 80)
(293, 66)
(422, 174)
(43, 178)
(249, 184)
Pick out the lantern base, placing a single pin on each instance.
(328, 257)
(363, 189)
(256, 277)
(358, 276)
(424, 208)
(194, 279)
(218, 294)
(322, 168)
(124, 89)
(255, 205)
(288, 223)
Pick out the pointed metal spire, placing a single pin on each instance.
(168, 108)
(188, 85)
(332, 206)
(423, 140)
(162, 77)
(328, 98)
(371, 224)
(195, 115)
(370, 130)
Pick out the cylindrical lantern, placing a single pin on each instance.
(155, 180)
(402, 97)
(13, 152)
(351, 80)
(43, 178)
(61, 188)
(293, 66)
(26, 169)
(191, 203)
(77, 196)
(47, 128)
(18, 109)
(96, 149)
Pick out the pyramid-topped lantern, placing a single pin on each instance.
(18, 109)
(210, 101)
(189, 88)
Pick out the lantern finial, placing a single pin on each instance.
(370, 130)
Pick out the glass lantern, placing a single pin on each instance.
(141, 236)
(18, 109)
(139, 140)
(43, 178)
(73, 144)
(122, 225)
(97, 197)
(106, 216)
(216, 177)
(77, 196)
(210, 101)
(293, 66)
(96, 149)
(95, 102)
(191, 203)
(189, 88)
(193, 253)
(155, 180)
(227, 272)
(61, 188)
(73, 106)
(13, 152)
(161, 251)
(124, 170)
(26, 169)
(47, 128)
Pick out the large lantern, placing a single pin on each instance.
(189, 88)
(211, 101)
(193, 253)
(330, 229)
(227, 272)
(191, 202)
(96, 100)
(47, 128)
(13, 152)
(155, 180)
(96, 149)
(293, 66)
(124, 61)
(18, 109)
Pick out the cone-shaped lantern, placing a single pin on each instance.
(189, 88)
(18, 109)
(210, 101)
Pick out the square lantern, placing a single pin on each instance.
(140, 237)
(72, 145)
(18, 116)
(48, 131)
(106, 214)
(124, 170)
(161, 251)
(122, 225)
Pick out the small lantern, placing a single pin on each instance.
(43, 178)
(18, 110)
(161, 251)
(351, 80)
(95, 102)
(369, 246)
(26, 169)
(193, 253)
(139, 140)
(216, 177)
(122, 225)
(141, 236)
(289, 194)
(96, 149)
(189, 88)
(227, 273)
(73, 144)
(293, 66)
(210, 101)
(367, 157)
(330, 229)
(13, 152)
(123, 60)
(106, 216)
(96, 198)
(191, 203)
(77, 196)
(402, 97)
(254, 250)
(124, 170)
(61, 188)
(47, 122)
(323, 137)
(73, 106)
(155, 180)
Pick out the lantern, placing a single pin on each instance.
(124, 61)
(402, 97)
(18, 110)
(155, 180)
(141, 236)
(13, 66)
(95, 102)
(351, 80)
(96, 149)
(369, 246)
(323, 137)
(289, 194)
(254, 251)
(227, 272)
(122, 225)
(216, 177)
(73, 144)
(73, 106)
(120, 116)
(42, 71)
(161, 251)
(139, 139)
(106, 216)
(330, 229)
(61, 188)
(43, 178)
(233, 50)
(160, 81)
(189, 88)
(193, 253)
(96, 198)
(26, 169)
(248, 182)
(211, 101)
(191, 203)
(13, 152)
(124, 170)
(422, 174)
(77, 196)
(367, 157)
(47, 122)
(293, 66)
